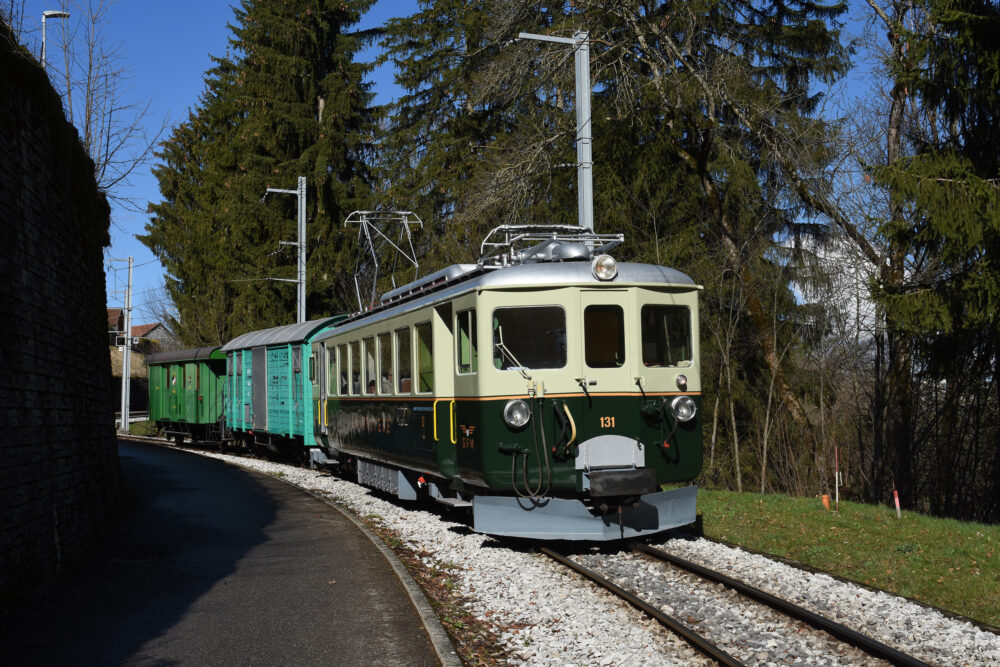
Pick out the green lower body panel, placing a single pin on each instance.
(568, 519)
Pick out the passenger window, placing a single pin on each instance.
(356, 368)
(666, 336)
(529, 337)
(425, 358)
(369, 365)
(604, 336)
(385, 363)
(312, 369)
(343, 370)
(468, 355)
(404, 361)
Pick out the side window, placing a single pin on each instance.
(369, 378)
(604, 336)
(425, 358)
(312, 368)
(666, 335)
(356, 368)
(404, 361)
(385, 363)
(468, 355)
(344, 369)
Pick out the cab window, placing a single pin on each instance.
(604, 336)
(529, 337)
(666, 335)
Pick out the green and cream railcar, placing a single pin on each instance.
(554, 398)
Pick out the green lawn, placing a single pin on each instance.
(945, 563)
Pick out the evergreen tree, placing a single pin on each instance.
(947, 227)
(290, 101)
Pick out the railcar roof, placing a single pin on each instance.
(289, 333)
(192, 354)
(546, 274)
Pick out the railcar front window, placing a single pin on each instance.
(604, 336)
(529, 337)
(666, 336)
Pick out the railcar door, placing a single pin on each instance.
(608, 411)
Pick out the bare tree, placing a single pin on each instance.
(120, 136)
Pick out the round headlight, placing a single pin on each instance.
(604, 267)
(517, 413)
(682, 382)
(683, 408)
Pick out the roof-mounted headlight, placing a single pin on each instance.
(604, 267)
(516, 413)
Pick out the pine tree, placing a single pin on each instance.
(946, 226)
(290, 101)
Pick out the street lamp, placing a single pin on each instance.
(50, 14)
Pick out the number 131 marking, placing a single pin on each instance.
(607, 422)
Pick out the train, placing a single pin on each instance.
(549, 389)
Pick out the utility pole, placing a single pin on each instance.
(584, 156)
(126, 350)
(300, 193)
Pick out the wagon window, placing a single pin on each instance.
(604, 336)
(312, 368)
(342, 365)
(532, 337)
(666, 336)
(425, 358)
(369, 378)
(404, 361)
(385, 363)
(468, 355)
(356, 367)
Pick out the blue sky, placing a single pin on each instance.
(166, 44)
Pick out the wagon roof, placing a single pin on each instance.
(289, 333)
(193, 354)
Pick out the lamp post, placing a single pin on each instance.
(50, 14)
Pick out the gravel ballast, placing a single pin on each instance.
(546, 615)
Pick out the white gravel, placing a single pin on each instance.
(546, 616)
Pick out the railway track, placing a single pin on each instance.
(704, 644)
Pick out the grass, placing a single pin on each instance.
(946, 563)
(142, 428)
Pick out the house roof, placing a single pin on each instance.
(114, 316)
(141, 330)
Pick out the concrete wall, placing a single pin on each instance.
(58, 457)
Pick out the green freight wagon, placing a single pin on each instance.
(186, 393)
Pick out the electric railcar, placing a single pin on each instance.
(549, 388)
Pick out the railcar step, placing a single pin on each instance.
(454, 502)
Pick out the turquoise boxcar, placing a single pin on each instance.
(269, 390)
(186, 392)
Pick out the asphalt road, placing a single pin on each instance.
(211, 564)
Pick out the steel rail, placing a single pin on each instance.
(696, 640)
(842, 632)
